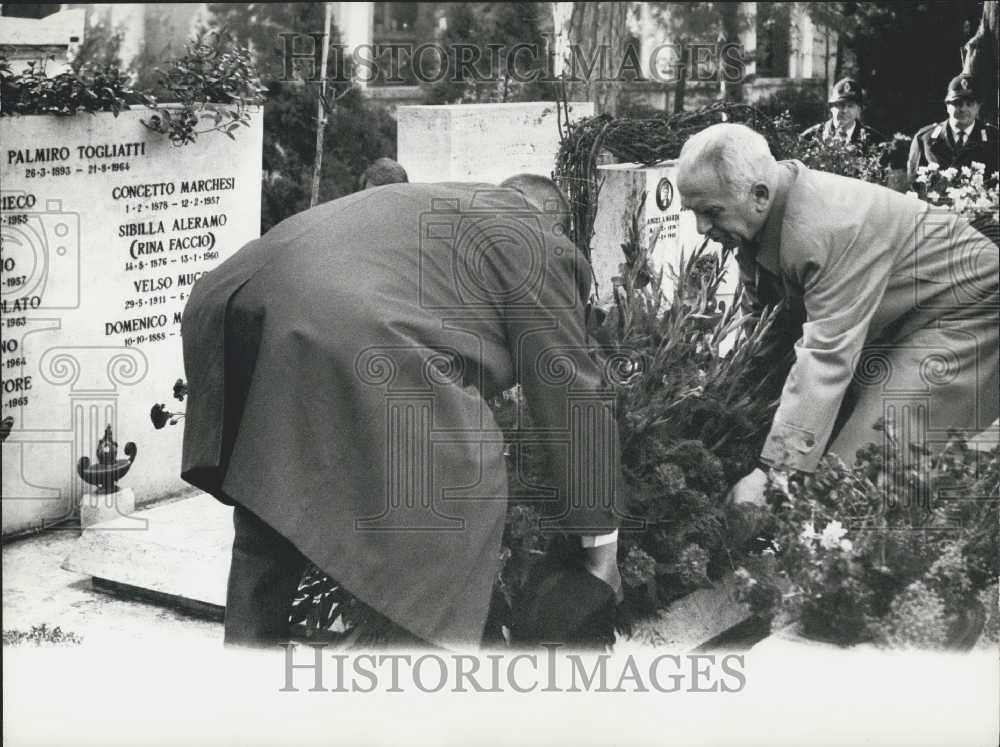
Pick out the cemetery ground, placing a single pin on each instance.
(158, 577)
(37, 592)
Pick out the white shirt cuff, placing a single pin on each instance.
(597, 540)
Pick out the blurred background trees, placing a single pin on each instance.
(357, 130)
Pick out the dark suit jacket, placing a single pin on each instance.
(935, 143)
(337, 370)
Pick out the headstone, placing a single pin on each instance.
(105, 227)
(649, 192)
(480, 142)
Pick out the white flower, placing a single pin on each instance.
(932, 195)
(808, 532)
(949, 173)
(846, 545)
(933, 167)
(922, 177)
(832, 535)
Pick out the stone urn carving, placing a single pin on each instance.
(109, 468)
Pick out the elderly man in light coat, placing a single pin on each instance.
(898, 301)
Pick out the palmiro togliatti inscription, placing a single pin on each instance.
(104, 228)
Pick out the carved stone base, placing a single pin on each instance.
(96, 508)
(181, 549)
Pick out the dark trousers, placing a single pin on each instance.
(263, 578)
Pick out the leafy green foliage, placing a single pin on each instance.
(476, 25)
(357, 130)
(883, 551)
(90, 89)
(845, 159)
(692, 420)
(213, 71)
(214, 83)
(802, 107)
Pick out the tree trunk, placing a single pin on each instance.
(732, 90)
(980, 56)
(597, 36)
(680, 85)
(321, 108)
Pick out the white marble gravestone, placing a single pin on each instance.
(480, 142)
(105, 226)
(660, 216)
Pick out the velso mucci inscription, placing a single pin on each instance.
(104, 229)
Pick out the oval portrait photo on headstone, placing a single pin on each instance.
(664, 193)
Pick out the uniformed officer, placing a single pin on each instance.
(844, 124)
(961, 139)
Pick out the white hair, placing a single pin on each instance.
(737, 155)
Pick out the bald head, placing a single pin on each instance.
(736, 155)
(727, 176)
(542, 192)
(383, 171)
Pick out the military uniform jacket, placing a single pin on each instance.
(863, 264)
(337, 370)
(862, 136)
(935, 143)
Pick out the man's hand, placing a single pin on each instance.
(750, 489)
(602, 562)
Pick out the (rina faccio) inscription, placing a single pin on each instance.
(104, 229)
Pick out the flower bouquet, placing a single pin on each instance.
(967, 190)
(883, 553)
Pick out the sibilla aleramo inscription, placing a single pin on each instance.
(104, 228)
